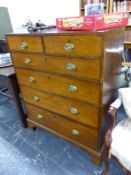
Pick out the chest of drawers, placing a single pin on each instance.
(68, 80)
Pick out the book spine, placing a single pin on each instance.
(95, 1)
(114, 6)
(122, 6)
(86, 2)
(125, 6)
(129, 19)
(128, 5)
(118, 6)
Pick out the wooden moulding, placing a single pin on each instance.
(95, 156)
(126, 64)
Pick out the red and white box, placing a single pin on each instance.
(112, 20)
(76, 23)
(93, 23)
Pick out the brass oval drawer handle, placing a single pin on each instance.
(39, 116)
(23, 45)
(35, 98)
(27, 61)
(71, 67)
(75, 132)
(72, 88)
(69, 47)
(74, 111)
(32, 79)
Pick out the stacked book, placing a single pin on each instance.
(127, 55)
(128, 36)
(5, 60)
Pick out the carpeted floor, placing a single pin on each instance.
(28, 152)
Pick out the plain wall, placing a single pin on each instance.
(45, 10)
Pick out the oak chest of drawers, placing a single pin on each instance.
(67, 80)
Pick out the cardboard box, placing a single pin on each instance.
(113, 20)
(76, 23)
(93, 23)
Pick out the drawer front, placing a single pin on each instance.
(69, 87)
(69, 66)
(85, 46)
(72, 109)
(25, 43)
(67, 128)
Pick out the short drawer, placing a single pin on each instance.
(69, 87)
(84, 46)
(73, 109)
(25, 43)
(85, 68)
(65, 127)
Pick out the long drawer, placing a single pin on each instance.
(67, 128)
(69, 87)
(87, 68)
(84, 46)
(73, 109)
(25, 43)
